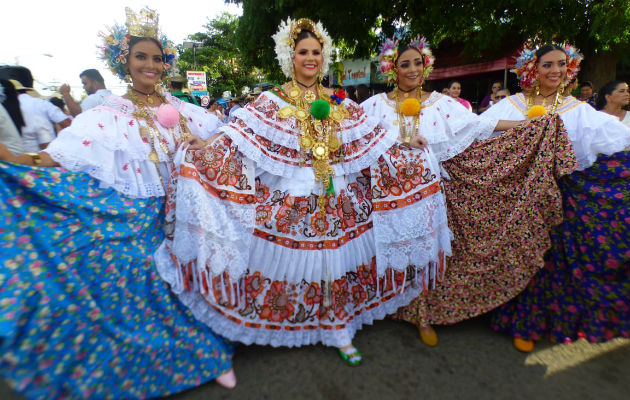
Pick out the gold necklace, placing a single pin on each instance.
(554, 106)
(149, 98)
(407, 135)
(149, 132)
(317, 137)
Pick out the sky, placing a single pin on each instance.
(57, 40)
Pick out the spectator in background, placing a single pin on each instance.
(58, 102)
(22, 80)
(351, 93)
(586, 93)
(94, 86)
(500, 95)
(612, 98)
(237, 103)
(572, 88)
(11, 121)
(363, 93)
(490, 98)
(62, 106)
(37, 131)
(176, 87)
(454, 90)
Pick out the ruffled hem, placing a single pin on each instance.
(232, 327)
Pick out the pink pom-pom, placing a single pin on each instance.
(167, 116)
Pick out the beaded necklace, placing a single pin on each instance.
(405, 134)
(150, 133)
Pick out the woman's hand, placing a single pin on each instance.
(194, 143)
(212, 138)
(419, 142)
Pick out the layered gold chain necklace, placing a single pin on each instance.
(149, 132)
(318, 122)
(411, 108)
(554, 105)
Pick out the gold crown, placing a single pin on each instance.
(304, 24)
(143, 24)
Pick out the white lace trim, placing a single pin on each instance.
(413, 235)
(370, 154)
(591, 132)
(275, 130)
(448, 127)
(205, 313)
(105, 142)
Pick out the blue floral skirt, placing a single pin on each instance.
(83, 312)
(584, 289)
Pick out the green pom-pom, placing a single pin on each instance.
(320, 109)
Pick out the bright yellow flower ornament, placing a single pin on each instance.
(410, 107)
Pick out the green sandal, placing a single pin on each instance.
(353, 357)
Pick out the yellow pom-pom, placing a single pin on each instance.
(536, 111)
(410, 107)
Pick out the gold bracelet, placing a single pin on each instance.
(35, 157)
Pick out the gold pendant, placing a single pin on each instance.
(336, 115)
(334, 143)
(154, 157)
(150, 100)
(301, 114)
(320, 151)
(405, 95)
(306, 142)
(309, 97)
(285, 112)
(294, 93)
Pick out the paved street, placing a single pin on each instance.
(471, 362)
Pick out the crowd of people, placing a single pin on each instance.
(144, 236)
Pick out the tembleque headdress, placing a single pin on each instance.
(388, 54)
(285, 37)
(115, 47)
(525, 68)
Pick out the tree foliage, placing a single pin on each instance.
(480, 26)
(218, 56)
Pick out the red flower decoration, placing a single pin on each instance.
(278, 304)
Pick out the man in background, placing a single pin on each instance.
(94, 86)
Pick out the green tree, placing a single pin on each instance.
(600, 28)
(219, 57)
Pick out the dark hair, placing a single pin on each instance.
(177, 85)
(93, 75)
(606, 89)
(135, 40)
(586, 83)
(452, 82)
(58, 102)
(363, 93)
(404, 48)
(19, 73)
(12, 104)
(305, 35)
(548, 48)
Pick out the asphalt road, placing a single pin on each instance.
(470, 362)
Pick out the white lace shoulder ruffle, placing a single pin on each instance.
(105, 142)
(272, 142)
(591, 132)
(447, 125)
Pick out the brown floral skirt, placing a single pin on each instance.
(502, 202)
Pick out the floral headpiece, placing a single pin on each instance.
(285, 37)
(389, 54)
(115, 46)
(525, 68)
